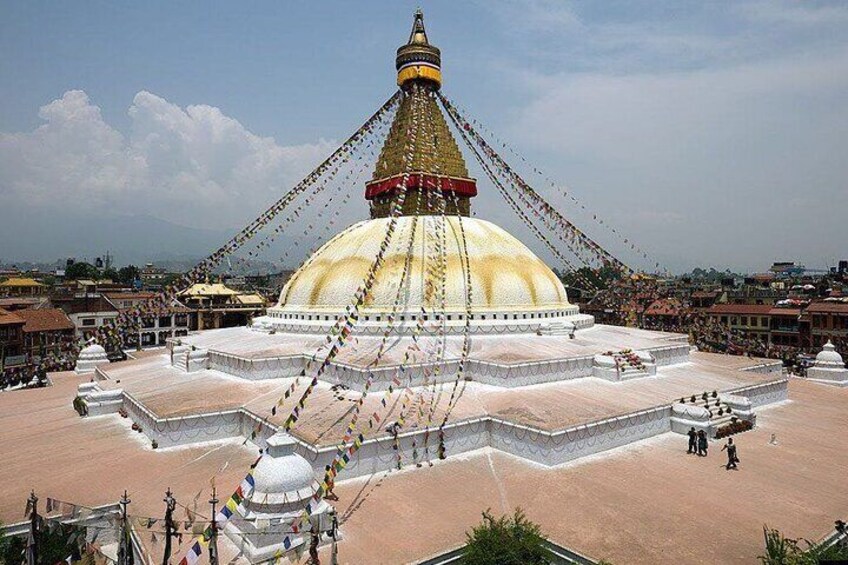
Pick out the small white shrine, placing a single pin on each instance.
(90, 358)
(284, 484)
(829, 367)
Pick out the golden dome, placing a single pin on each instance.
(506, 277)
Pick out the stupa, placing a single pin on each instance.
(441, 358)
(829, 367)
(490, 277)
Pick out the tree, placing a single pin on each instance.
(128, 275)
(506, 540)
(81, 270)
(781, 550)
(110, 274)
(11, 549)
(598, 278)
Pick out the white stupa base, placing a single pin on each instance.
(837, 382)
(407, 323)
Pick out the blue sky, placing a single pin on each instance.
(710, 133)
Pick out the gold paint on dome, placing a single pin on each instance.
(506, 275)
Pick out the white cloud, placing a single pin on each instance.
(193, 166)
(727, 151)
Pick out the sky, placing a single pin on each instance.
(709, 133)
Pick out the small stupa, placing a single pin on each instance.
(829, 367)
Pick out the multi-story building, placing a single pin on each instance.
(825, 320)
(154, 330)
(22, 286)
(11, 341)
(218, 306)
(45, 331)
(153, 276)
(703, 299)
(87, 312)
(772, 325)
(664, 314)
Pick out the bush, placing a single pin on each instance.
(506, 540)
(781, 550)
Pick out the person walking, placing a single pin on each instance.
(702, 443)
(331, 484)
(732, 459)
(693, 440)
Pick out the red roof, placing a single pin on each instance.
(752, 309)
(664, 307)
(45, 320)
(828, 306)
(9, 319)
(85, 304)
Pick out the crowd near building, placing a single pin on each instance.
(43, 314)
(788, 312)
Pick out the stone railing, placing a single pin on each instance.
(487, 372)
(417, 446)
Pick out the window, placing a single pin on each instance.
(89, 322)
(744, 320)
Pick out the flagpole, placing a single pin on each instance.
(32, 546)
(125, 551)
(170, 506)
(213, 541)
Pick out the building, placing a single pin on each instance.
(154, 331)
(46, 331)
(20, 286)
(87, 312)
(217, 306)
(14, 303)
(703, 299)
(664, 313)
(152, 276)
(787, 269)
(826, 320)
(11, 340)
(772, 325)
(419, 350)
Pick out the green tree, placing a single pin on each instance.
(81, 270)
(110, 274)
(10, 549)
(585, 276)
(128, 275)
(781, 550)
(508, 540)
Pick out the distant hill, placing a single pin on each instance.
(37, 237)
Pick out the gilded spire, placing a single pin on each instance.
(420, 155)
(418, 60)
(418, 35)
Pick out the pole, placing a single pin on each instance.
(170, 506)
(334, 554)
(32, 542)
(125, 552)
(213, 541)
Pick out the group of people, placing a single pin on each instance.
(699, 445)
